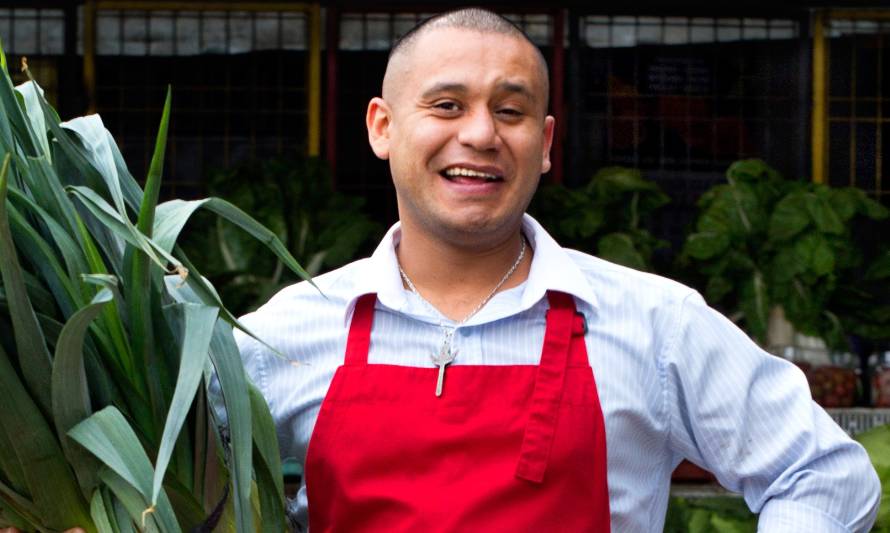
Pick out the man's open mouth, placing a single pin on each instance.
(465, 175)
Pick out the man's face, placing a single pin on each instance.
(465, 130)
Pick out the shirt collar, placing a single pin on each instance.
(552, 269)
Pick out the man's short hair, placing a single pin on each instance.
(470, 18)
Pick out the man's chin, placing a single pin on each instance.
(474, 229)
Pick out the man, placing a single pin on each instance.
(474, 376)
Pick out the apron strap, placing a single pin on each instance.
(359, 339)
(544, 408)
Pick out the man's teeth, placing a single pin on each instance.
(454, 172)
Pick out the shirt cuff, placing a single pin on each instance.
(786, 515)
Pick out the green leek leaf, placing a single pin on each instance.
(198, 330)
(34, 357)
(267, 464)
(100, 514)
(70, 390)
(107, 435)
(58, 503)
(148, 518)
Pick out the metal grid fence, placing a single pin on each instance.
(39, 35)
(239, 87)
(689, 94)
(859, 103)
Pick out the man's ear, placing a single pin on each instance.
(378, 120)
(549, 125)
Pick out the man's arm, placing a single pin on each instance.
(748, 417)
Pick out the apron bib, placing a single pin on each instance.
(505, 448)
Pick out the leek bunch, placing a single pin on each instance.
(108, 339)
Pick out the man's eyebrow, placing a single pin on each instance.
(455, 87)
(517, 88)
(444, 87)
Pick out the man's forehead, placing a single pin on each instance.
(438, 57)
(434, 87)
(447, 42)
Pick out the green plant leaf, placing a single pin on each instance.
(814, 252)
(787, 264)
(140, 287)
(44, 259)
(14, 501)
(100, 514)
(151, 519)
(233, 386)
(717, 288)
(172, 216)
(94, 160)
(197, 332)
(706, 244)
(823, 216)
(790, 217)
(619, 248)
(872, 209)
(107, 435)
(754, 303)
(70, 390)
(10, 468)
(879, 268)
(58, 503)
(32, 93)
(267, 464)
(34, 358)
(844, 202)
(15, 129)
(121, 228)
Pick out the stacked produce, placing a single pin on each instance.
(832, 386)
(108, 338)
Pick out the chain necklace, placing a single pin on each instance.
(446, 355)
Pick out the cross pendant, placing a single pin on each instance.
(442, 359)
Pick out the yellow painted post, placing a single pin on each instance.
(314, 77)
(89, 54)
(819, 144)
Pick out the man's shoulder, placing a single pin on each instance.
(329, 289)
(614, 282)
(318, 305)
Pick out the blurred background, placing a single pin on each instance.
(737, 147)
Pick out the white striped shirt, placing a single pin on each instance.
(675, 378)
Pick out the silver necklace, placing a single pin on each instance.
(446, 355)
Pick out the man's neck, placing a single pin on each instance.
(455, 279)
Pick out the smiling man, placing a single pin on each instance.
(472, 375)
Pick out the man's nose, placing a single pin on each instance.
(479, 130)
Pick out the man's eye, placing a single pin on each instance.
(446, 106)
(510, 112)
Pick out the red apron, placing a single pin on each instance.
(505, 448)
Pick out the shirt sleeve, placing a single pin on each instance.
(747, 416)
